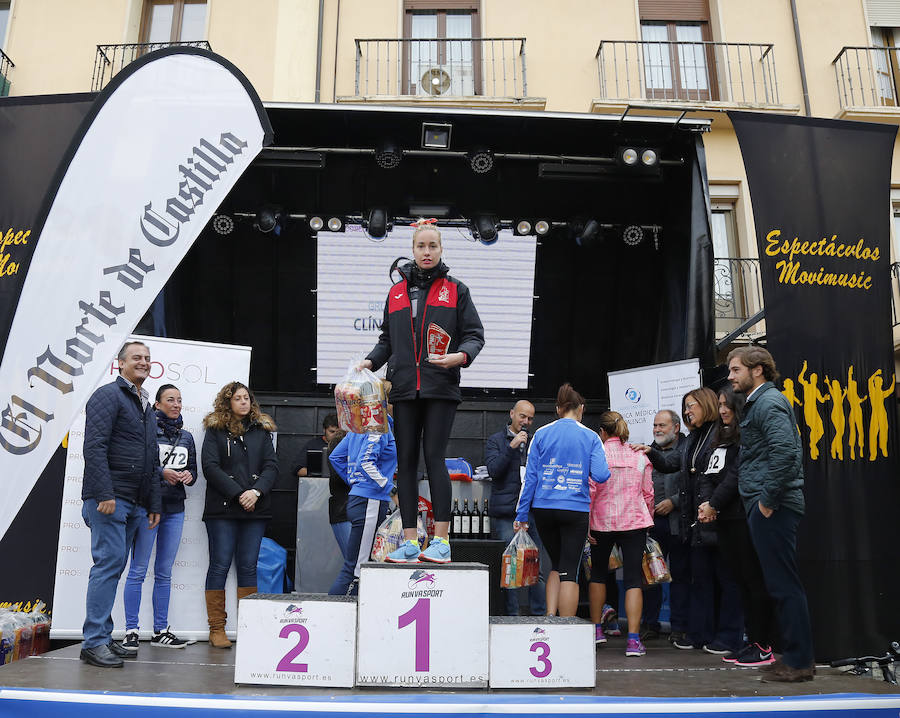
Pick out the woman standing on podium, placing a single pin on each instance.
(564, 457)
(431, 328)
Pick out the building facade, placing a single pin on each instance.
(825, 58)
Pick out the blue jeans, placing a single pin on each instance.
(111, 537)
(341, 532)
(237, 540)
(502, 529)
(167, 537)
(365, 517)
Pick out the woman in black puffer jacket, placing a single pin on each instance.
(239, 464)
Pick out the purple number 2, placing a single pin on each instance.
(287, 663)
(542, 658)
(420, 614)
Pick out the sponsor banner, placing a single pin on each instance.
(199, 370)
(354, 276)
(821, 194)
(159, 151)
(638, 394)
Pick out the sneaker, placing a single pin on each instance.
(609, 613)
(635, 648)
(130, 642)
(117, 649)
(407, 553)
(650, 634)
(598, 634)
(717, 649)
(612, 628)
(736, 655)
(167, 639)
(758, 656)
(438, 551)
(682, 641)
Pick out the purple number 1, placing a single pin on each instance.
(287, 663)
(542, 658)
(420, 614)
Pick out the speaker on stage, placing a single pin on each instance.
(490, 553)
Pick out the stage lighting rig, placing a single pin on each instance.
(388, 155)
(484, 228)
(378, 224)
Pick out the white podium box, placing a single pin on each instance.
(542, 652)
(423, 625)
(305, 639)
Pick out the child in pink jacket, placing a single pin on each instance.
(621, 513)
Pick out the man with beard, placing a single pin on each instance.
(667, 495)
(771, 486)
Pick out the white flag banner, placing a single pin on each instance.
(163, 145)
(638, 394)
(199, 370)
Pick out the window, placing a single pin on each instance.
(731, 273)
(173, 21)
(440, 48)
(887, 68)
(677, 62)
(4, 20)
(896, 233)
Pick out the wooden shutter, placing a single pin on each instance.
(683, 10)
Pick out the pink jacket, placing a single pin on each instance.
(625, 502)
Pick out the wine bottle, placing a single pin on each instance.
(455, 520)
(476, 520)
(485, 521)
(466, 522)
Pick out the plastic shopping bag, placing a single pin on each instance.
(389, 536)
(615, 558)
(521, 563)
(361, 402)
(654, 565)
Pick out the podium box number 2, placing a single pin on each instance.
(423, 625)
(296, 640)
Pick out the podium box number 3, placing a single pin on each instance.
(423, 625)
(296, 639)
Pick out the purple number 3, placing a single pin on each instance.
(420, 614)
(287, 663)
(548, 666)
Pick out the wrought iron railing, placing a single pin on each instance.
(6, 68)
(895, 293)
(737, 288)
(112, 58)
(443, 67)
(742, 73)
(867, 76)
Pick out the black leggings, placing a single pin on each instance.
(563, 533)
(632, 544)
(426, 422)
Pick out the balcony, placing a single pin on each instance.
(895, 293)
(737, 293)
(465, 72)
(112, 58)
(701, 75)
(6, 68)
(867, 83)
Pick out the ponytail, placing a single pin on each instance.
(568, 399)
(613, 424)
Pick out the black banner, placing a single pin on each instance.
(34, 134)
(821, 198)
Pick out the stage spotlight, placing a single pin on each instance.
(649, 158)
(541, 227)
(335, 224)
(628, 156)
(523, 227)
(388, 155)
(316, 223)
(436, 136)
(484, 228)
(378, 224)
(267, 218)
(481, 160)
(223, 224)
(633, 235)
(586, 235)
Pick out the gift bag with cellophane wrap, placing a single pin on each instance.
(521, 562)
(655, 569)
(389, 536)
(361, 402)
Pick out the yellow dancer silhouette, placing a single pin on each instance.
(837, 417)
(878, 425)
(790, 394)
(812, 397)
(855, 402)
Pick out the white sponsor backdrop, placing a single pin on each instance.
(638, 394)
(161, 154)
(353, 283)
(199, 370)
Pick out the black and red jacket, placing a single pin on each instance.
(448, 304)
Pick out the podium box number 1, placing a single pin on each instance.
(423, 625)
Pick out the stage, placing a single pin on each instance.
(663, 682)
